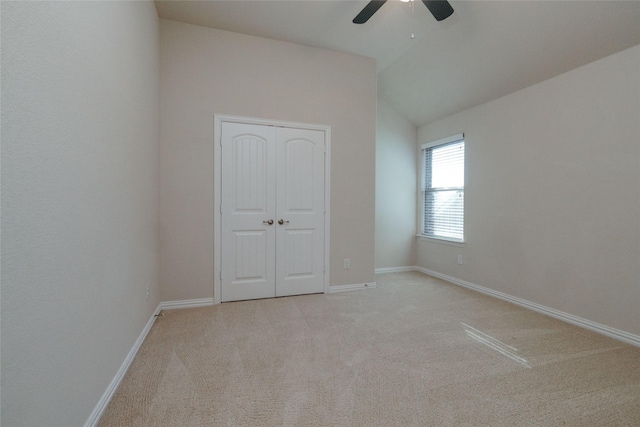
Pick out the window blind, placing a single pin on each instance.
(443, 190)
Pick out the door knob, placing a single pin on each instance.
(282, 221)
(270, 222)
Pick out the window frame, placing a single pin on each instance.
(423, 189)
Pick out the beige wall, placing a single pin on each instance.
(205, 72)
(80, 197)
(396, 161)
(552, 203)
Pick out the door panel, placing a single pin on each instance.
(248, 193)
(300, 204)
(251, 181)
(251, 247)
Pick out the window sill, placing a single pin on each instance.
(442, 241)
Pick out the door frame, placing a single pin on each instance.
(219, 119)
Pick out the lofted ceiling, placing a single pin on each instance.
(485, 50)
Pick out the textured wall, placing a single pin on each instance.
(396, 169)
(205, 72)
(552, 202)
(80, 196)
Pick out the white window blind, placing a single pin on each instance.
(443, 189)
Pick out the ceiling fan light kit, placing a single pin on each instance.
(440, 9)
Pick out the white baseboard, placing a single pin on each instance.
(97, 412)
(354, 287)
(383, 270)
(557, 314)
(187, 303)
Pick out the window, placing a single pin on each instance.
(443, 189)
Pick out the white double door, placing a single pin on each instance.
(272, 211)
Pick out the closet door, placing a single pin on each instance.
(300, 211)
(248, 211)
(272, 211)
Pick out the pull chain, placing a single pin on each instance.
(413, 36)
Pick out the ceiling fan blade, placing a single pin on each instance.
(440, 9)
(368, 11)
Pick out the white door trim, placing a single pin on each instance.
(217, 190)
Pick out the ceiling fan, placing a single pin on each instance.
(440, 9)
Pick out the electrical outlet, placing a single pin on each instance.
(148, 290)
(459, 259)
(347, 263)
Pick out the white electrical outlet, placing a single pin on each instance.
(459, 259)
(347, 263)
(148, 290)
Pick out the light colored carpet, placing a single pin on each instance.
(416, 351)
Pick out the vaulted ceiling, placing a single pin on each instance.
(485, 50)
